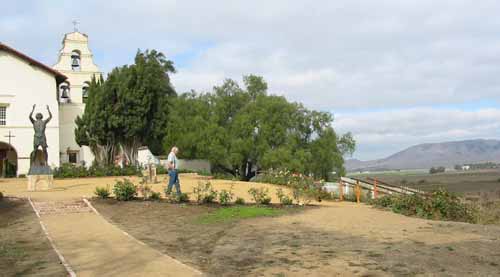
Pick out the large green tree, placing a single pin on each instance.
(243, 129)
(97, 126)
(129, 109)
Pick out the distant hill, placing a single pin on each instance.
(427, 155)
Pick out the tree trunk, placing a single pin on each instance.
(130, 150)
(246, 172)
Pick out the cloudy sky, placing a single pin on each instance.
(394, 73)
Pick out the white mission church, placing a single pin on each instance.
(63, 87)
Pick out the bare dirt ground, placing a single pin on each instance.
(24, 249)
(336, 239)
(339, 239)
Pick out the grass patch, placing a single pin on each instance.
(236, 213)
(11, 251)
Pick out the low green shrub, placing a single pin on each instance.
(22, 176)
(124, 190)
(77, 171)
(239, 201)
(155, 196)
(177, 198)
(224, 176)
(204, 173)
(160, 170)
(226, 196)
(260, 195)
(304, 188)
(183, 197)
(102, 192)
(204, 193)
(284, 199)
(438, 205)
(382, 202)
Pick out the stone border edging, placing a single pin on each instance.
(61, 258)
(140, 242)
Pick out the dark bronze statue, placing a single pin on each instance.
(39, 139)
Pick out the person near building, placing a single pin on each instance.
(172, 166)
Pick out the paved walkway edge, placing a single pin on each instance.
(61, 258)
(140, 242)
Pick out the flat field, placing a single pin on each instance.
(465, 182)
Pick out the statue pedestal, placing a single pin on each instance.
(40, 182)
(40, 178)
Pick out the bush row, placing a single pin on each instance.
(438, 205)
(304, 188)
(68, 170)
(204, 193)
(76, 171)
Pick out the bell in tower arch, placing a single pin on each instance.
(64, 92)
(75, 60)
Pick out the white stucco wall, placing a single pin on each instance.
(21, 86)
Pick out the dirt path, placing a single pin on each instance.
(94, 247)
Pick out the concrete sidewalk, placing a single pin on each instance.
(94, 247)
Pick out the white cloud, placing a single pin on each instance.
(381, 133)
(348, 55)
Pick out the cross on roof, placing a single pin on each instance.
(75, 22)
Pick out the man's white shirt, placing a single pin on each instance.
(172, 158)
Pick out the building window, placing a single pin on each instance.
(75, 60)
(72, 157)
(3, 116)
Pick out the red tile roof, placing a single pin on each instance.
(59, 76)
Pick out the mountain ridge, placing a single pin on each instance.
(426, 155)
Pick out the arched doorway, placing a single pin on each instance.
(8, 160)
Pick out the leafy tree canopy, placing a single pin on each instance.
(128, 109)
(241, 130)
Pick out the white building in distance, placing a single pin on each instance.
(25, 82)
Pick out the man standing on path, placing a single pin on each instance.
(172, 166)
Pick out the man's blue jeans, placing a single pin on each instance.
(174, 179)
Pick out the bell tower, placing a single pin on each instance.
(76, 62)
